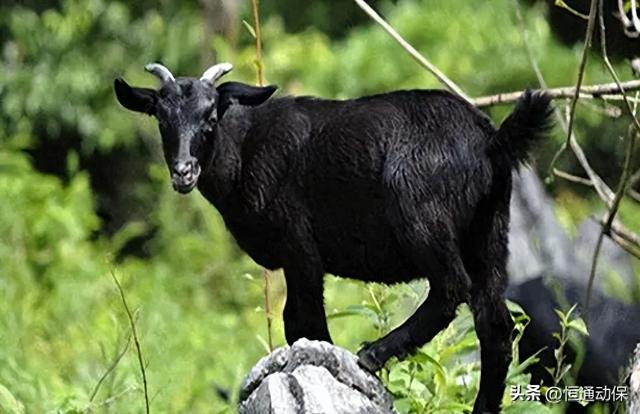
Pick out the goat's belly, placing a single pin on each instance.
(371, 255)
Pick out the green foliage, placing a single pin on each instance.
(65, 320)
(569, 325)
(443, 375)
(8, 402)
(58, 67)
(440, 376)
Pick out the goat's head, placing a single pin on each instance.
(188, 110)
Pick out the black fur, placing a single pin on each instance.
(386, 188)
(529, 121)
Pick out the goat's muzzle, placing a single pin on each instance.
(185, 175)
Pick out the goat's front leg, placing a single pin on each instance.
(304, 315)
(449, 288)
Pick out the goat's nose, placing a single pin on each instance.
(183, 168)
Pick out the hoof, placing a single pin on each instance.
(368, 361)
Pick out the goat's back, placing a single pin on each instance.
(428, 144)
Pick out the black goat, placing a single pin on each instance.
(386, 188)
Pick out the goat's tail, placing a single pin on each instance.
(529, 122)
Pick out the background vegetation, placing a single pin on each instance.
(84, 193)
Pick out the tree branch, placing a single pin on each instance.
(572, 178)
(599, 91)
(618, 228)
(412, 51)
(625, 175)
(583, 64)
(603, 191)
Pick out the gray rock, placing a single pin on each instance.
(312, 377)
(540, 247)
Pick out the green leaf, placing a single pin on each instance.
(399, 378)
(561, 315)
(579, 326)
(521, 367)
(249, 28)
(425, 359)
(403, 405)
(355, 310)
(515, 308)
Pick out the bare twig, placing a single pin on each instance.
(624, 237)
(621, 230)
(628, 247)
(259, 64)
(626, 23)
(635, 178)
(634, 16)
(626, 169)
(527, 46)
(412, 51)
(603, 191)
(583, 63)
(115, 397)
(628, 26)
(571, 10)
(256, 25)
(599, 91)
(135, 340)
(267, 308)
(573, 178)
(110, 369)
(603, 91)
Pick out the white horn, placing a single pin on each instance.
(215, 72)
(160, 71)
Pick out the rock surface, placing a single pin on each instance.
(634, 384)
(540, 247)
(312, 377)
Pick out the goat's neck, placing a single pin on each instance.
(222, 171)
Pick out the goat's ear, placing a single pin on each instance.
(243, 94)
(136, 99)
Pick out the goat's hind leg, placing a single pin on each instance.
(493, 326)
(485, 260)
